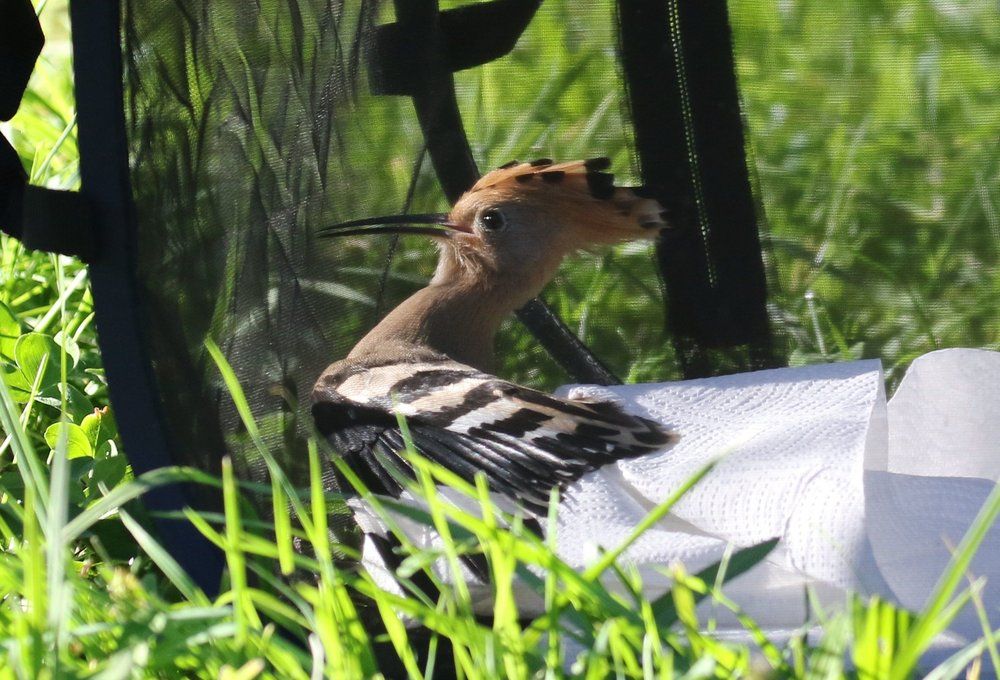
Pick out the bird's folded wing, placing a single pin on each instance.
(523, 440)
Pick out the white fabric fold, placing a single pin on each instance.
(942, 461)
(789, 446)
(866, 497)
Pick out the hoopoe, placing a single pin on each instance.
(431, 358)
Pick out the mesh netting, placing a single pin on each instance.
(873, 131)
(871, 134)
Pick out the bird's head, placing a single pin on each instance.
(518, 222)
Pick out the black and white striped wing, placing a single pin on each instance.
(523, 440)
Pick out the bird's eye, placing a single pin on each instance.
(492, 220)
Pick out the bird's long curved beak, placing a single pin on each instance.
(429, 224)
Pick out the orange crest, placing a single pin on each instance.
(575, 192)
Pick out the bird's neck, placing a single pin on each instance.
(456, 317)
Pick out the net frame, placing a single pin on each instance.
(690, 263)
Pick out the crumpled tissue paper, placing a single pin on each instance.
(866, 496)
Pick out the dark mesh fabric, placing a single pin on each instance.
(871, 129)
(251, 126)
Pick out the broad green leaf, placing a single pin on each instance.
(81, 470)
(11, 483)
(77, 404)
(101, 428)
(32, 351)
(20, 388)
(77, 443)
(10, 331)
(109, 470)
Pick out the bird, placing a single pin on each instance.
(431, 359)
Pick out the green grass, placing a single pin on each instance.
(877, 250)
(70, 610)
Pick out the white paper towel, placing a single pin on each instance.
(942, 461)
(791, 445)
(945, 416)
(865, 497)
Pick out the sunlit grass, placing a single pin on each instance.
(882, 213)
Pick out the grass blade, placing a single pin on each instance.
(165, 561)
(742, 561)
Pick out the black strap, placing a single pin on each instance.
(678, 63)
(21, 42)
(12, 181)
(430, 83)
(417, 56)
(43, 219)
(469, 36)
(121, 325)
(58, 222)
